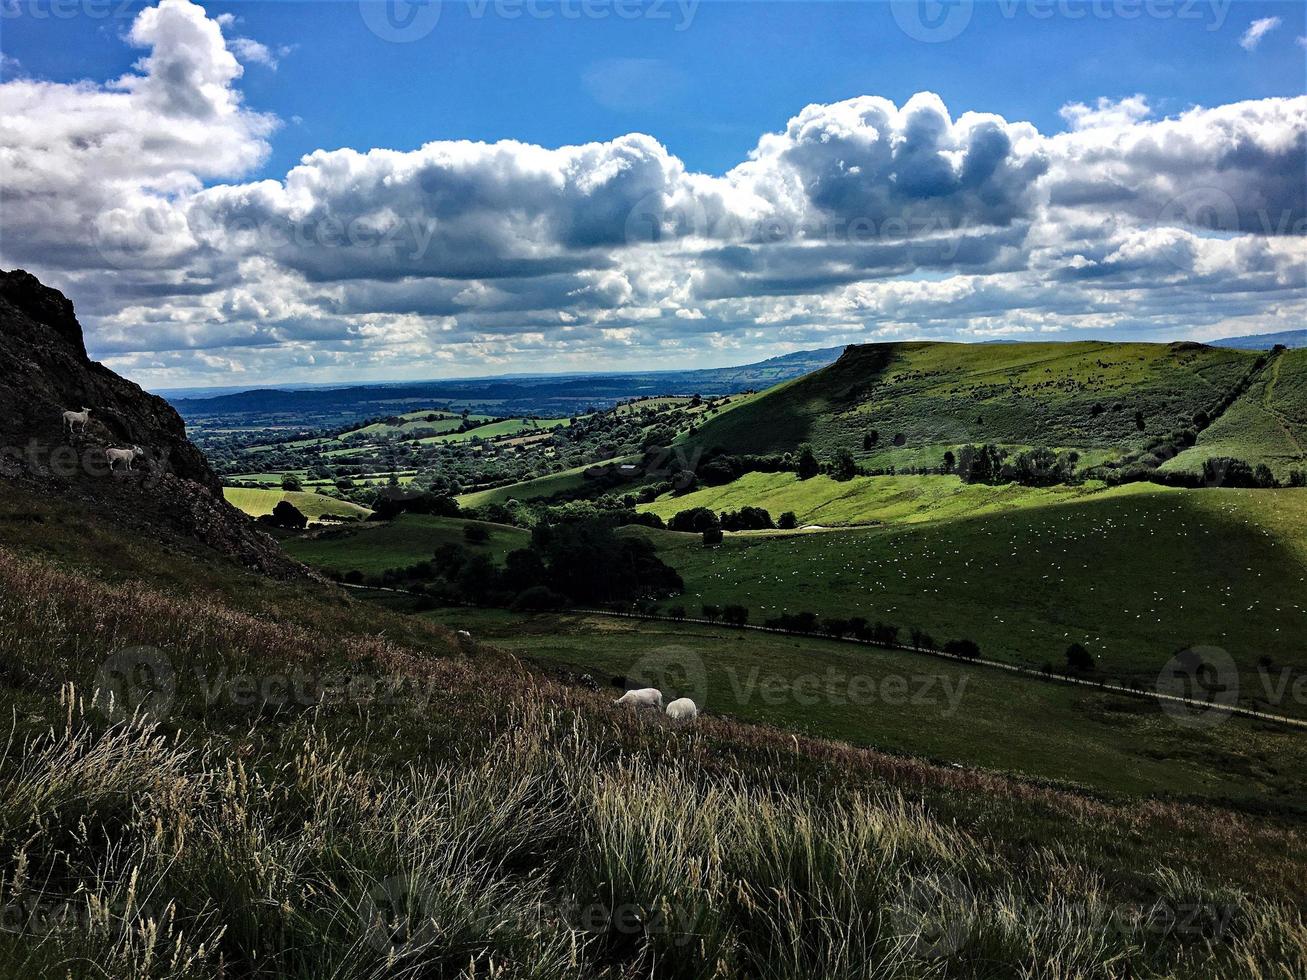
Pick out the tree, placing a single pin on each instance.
(807, 466)
(475, 534)
(696, 519)
(950, 461)
(787, 521)
(286, 515)
(1139, 421)
(963, 648)
(712, 537)
(1078, 659)
(712, 613)
(291, 483)
(843, 467)
(735, 615)
(870, 439)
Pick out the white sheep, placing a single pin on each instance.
(74, 420)
(682, 709)
(128, 456)
(645, 697)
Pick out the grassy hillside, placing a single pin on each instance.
(570, 481)
(411, 538)
(256, 503)
(923, 398)
(867, 499)
(1267, 425)
(1135, 574)
(918, 705)
(448, 814)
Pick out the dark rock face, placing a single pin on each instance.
(45, 371)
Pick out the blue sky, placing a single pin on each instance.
(706, 81)
(716, 76)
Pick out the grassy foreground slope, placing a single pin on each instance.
(1135, 574)
(450, 815)
(917, 705)
(1079, 395)
(867, 499)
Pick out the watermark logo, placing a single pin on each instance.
(677, 671)
(933, 917)
(136, 681)
(1207, 680)
(397, 918)
(932, 21)
(400, 21)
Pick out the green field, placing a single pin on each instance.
(411, 538)
(542, 487)
(256, 503)
(426, 421)
(867, 499)
(495, 430)
(1136, 574)
(914, 704)
(1083, 395)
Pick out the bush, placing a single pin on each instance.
(712, 537)
(1078, 659)
(476, 533)
(735, 615)
(787, 521)
(539, 598)
(963, 648)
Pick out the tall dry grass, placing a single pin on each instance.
(557, 841)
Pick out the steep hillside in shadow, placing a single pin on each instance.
(167, 490)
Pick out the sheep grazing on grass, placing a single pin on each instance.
(76, 420)
(645, 697)
(127, 456)
(682, 709)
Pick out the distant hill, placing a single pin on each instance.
(556, 395)
(904, 405)
(1265, 341)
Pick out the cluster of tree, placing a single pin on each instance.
(573, 563)
(988, 463)
(861, 629)
(1221, 471)
(747, 519)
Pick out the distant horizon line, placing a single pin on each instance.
(188, 391)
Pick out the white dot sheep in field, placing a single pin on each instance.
(645, 697)
(125, 456)
(76, 420)
(682, 709)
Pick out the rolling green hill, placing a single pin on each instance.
(1267, 425)
(866, 499)
(410, 538)
(256, 503)
(923, 398)
(1135, 574)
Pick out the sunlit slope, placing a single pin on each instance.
(1135, 574)
(1075, 395)
(1268, 424)
(256, 503)
(867, 499)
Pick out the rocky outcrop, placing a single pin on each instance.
(171, 489)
